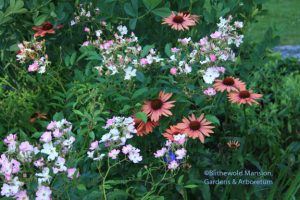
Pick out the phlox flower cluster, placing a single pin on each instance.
(122, 53)
(174, 152)
(85, 13)
(212, 73)
(47, 159)
(209, 50)
(34, 54)
(120, 130)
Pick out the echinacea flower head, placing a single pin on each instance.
(244, 97)
(180, 21)
(196, 127)
(37, 115)
(143, 128)
(229, 84)
(233, 144)
(45, 28)
(157, 107)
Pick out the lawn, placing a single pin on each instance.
(284, 16)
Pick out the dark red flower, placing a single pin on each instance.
(45, 28)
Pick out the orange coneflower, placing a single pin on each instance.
(180, 21)
(37, 115)
(196, 127)
(229, 84)
(194, 17)
(233, 144)
(45, 28)
(244, 97)
(171, 132)
(158, 107)
(143, 128)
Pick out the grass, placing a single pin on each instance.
(284, 16)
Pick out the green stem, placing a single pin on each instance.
(153, 188)
(109, 167)
(245, 118)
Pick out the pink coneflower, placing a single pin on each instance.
(229, 84)
(180, 21)
(143, 128)
(158, 107)
(171, 132)
(37, 115)
(233, 144)
(45, 28)
(194, 17)
(244, 97)
(196, 127)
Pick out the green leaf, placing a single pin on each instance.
(58, 116)
(168, 49)
(191, 186)
(205, 191)
(37, 135)
(151, 4)
(92, 135)
(139, 93)
(146, 50)
(78, 112)
(19, 4)
(117, 195)
(142, 116)
(40, 19)
(125, 108)
(81, 187)
(129, 10)
(73, 57)
(180, 179)
(95, 195)
(140, 76)
(213, 119)
(162, 12)
(135, 5)
(132, 23)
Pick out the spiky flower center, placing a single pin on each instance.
(47, 26)
(244, 94)
(195, 125)
(228, 81)
(178, 19)
(156, 104)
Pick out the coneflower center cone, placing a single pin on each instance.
(228, 81)
(195, 125)
(244, 94)
(156, 104)
(178, 19)
(47, 26)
